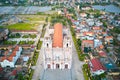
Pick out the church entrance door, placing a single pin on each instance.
(66, 66)
(48, 66)
(57, 66)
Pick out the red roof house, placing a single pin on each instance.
(102, 54)
(96, 67)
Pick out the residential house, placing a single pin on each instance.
(86, 8)
(90, 22)
(83, 15)
(97, 43)
(102, 54)
(87, 45)
(85, 29)
(98, 23)
(76, 22)
(3, 34)
(118, 37)
(104, 34)
(87, 35)
(108, 39)
(97, 29)
(10, 57)
(114, 72)
(96, 67)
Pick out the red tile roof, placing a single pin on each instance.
(16, 48)
(104, 32)
(109, 37)
(74, 26)
(10, 57)
(96, 28)
(1, 69)
(102, 53)
(88, 33)
(58, 36)
(88, 41)
(14, 72)
(97, 65)
(101, 46)
(7, 58)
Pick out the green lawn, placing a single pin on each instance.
(25, 36)
(36, 18)
(19, 26)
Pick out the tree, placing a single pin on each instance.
(46, 19)
(79, 42)
(105, 24)
(20, 76)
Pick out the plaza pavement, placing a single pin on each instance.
(38, 72)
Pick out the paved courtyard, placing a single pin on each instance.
(57, 74)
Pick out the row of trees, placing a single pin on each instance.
(58, 18)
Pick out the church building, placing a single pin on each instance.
(57, 48)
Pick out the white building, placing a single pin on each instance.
(57, 48)
(97, 43)
(10, 57)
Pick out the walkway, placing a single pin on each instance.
(39, 65)
(77, 73)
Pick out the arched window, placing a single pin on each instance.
(67, 44)
(66, 66)
(47, 45)
(57, 66)
(48, 66)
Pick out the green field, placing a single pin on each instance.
(33, 17)
(36, 18)
(20, 26)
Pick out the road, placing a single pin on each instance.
(39, 65)
(76, 69)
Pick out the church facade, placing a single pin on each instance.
(57, 48)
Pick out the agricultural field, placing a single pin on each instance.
(19, 26)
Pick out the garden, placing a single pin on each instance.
(26, 42)
(9, 42)
(19, 26)
(29, 36)
(17, 35)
